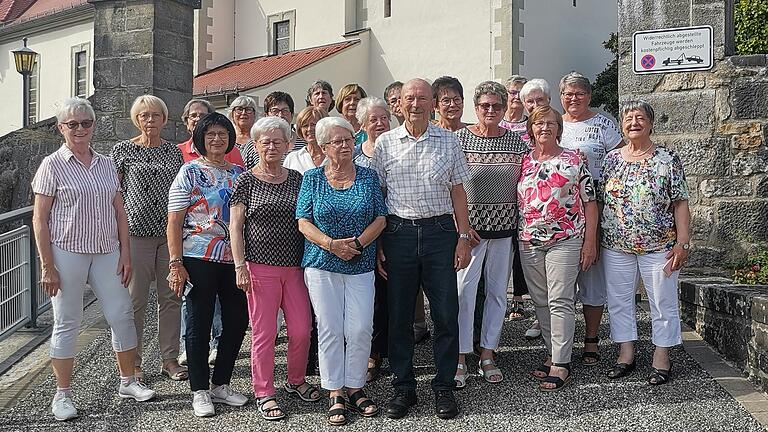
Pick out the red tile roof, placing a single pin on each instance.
(26, 10)
(259, 71)
(11, 9)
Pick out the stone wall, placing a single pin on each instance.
(716, 120)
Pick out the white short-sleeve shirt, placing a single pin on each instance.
(594, 137)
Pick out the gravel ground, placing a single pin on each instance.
(691, 402)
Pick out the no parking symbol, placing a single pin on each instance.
(648, 61)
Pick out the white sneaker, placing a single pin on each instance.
(201, 404)
(183, 358)
(224, 394)
(534, 332)
(212, 356)
(136, 390)
(62, 407)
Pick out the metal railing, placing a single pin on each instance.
(22, 299)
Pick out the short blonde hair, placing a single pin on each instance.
(347, 91)
(538, 114)
(307, 114)
(148, 102)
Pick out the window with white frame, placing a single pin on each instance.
(33, 94)
(80, 69)
(282, 34)
(280, 28)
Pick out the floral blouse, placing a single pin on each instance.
(638, 215)
(551, 196)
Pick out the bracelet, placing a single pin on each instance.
(174, 261)
(237, 266)
(330, 242)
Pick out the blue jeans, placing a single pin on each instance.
(420, 253)
(215, 328)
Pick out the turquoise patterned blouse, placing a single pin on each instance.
(638, 216)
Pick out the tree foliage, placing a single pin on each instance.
(605, 91)
(751, 20)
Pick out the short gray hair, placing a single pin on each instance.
(491, 88)
(636, 105)
(266, 124)
(515, 79)
(70, 106)
(575, 79)
(324, 126)
(366, 104)
(242, 101)
(188, 106)
(536, 84)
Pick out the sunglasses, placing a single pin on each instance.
(86, 124)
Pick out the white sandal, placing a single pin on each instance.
(487, 374)
(461, 380)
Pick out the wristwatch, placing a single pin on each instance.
(685, 246)
(464, 236)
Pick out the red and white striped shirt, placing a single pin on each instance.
(82, 218)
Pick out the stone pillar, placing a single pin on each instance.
(141, 47)
(716, 120)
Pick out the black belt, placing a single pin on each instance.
(418, 222)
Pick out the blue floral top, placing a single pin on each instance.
(340, 213)
(638, 216)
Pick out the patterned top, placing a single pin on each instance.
(271, 234)
(190, 153)
(550, 197)
(494, 168)
(594, 138)
(520, 127)
(340, 213)
(204, 191)
(301, 160)
(638, 216)
(147, 173)
(360, 158)
(418, 173)
(82, 218)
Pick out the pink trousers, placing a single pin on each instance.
(274, 288)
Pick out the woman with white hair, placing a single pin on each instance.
(267, 248)
(534, 94)
(146, 166)
(341, 213)
(81, 231)
(242, 114)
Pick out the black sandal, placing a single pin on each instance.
(337, 400)
(620, 370)
(266, 411)
(595, 355)
(659, 376)
(543, 368)
(557, 381)
(305, 395)
(355, 404)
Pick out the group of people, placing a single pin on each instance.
(343, 223)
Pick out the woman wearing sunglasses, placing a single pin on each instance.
(81, 232)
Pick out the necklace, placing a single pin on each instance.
(270, 175)
(340, 178)
(212, 163)
(637, 155)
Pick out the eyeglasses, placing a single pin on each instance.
(393, 101)
(274, 143)
(487, 106)
(149, 115)
(341, 142)
(277, 111)
(513, 92)
(240, 110)
(577, 95)
(86, 124)
(220, 135)
(195, 115)
(447, 101)
(540, 124)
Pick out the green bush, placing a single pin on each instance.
(751, 21)
(754, 270)
(605, 90)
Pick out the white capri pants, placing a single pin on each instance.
(98, 270)
(621, 276)
(497, 256)
(344, 309)
(591, 288)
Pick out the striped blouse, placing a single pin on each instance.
(82, 217)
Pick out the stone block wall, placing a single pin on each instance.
(716, 120)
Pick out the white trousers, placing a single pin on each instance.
(497, 256)
(98, 270)
(621, 276)
(344, 309)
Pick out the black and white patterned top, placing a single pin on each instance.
(147, 174)
(271, 234)
(494, 167)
